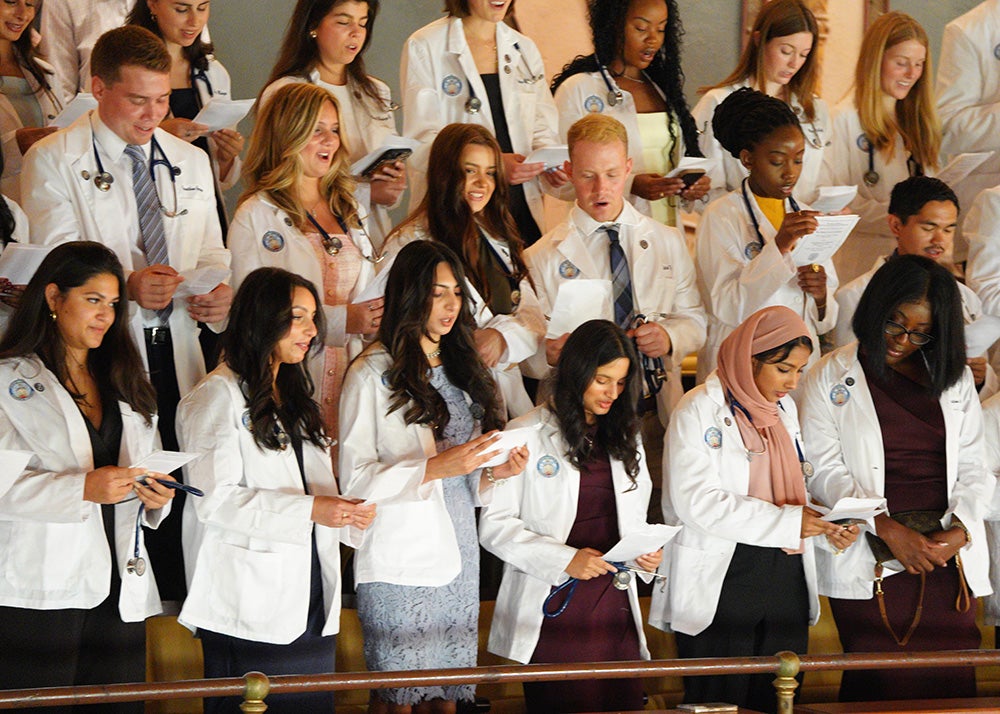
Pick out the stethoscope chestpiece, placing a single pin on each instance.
(103, 181)
(615, 97)
(473, 105)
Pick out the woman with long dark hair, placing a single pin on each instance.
(196, 78)
(635, 75)
(465, 208)
(75, 585)
(586, 485)
(896, 414)
(742, 578)
(780, 60)
(264, 589)
(325, 44)
(413, 411)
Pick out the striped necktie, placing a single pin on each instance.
(621, 281)
(154, 240)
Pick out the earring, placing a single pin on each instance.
(52, 314)
(312, 34)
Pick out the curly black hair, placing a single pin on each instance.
(747, 116)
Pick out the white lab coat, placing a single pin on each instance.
(522, 330)
(54, 552)
(586, 93)
(663, 283)
(968, 98)
(991, 441)
(845, 163)
(527, 524)
(248, 541)
(706, 493)
(363, 128)
(848, 297)
(257, 218)
(734, 286)
(10, 122)
(436, 72)
(383, 460)
(844, 444)
(20, 235)
(982, 231)
(64, 206)
(729, 172)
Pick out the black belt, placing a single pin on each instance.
(157, 335)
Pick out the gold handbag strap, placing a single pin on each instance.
(885, 618)
(963, 601)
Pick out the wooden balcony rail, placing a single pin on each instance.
(255, 686)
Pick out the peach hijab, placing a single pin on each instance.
(778, 477)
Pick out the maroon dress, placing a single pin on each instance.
(597, 625)
(913, 436)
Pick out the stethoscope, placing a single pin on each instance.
(473, 104)
(622, 580)
(136, 565)
(871, 177)
(806, 466)
(103, 179)
(333, 245)
(615, 96)
(753, 216)
(200, 75)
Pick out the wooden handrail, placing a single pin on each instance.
(254, 687)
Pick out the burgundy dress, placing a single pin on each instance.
(597, 625)
(913, 435)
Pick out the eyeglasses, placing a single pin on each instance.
(917, 339)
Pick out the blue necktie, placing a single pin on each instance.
(154, 240)
(621, 281)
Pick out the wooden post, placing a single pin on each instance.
(785, 683)
(257, 687)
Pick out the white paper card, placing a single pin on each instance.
(507, 441)
(576, 302)
(222, 114)
(552, 156)
(81, 104)
(961, 166)
(981, 334)
(390, 142)
(834, 198)
(647, 539)
(376, 288)
(820, 246)
(688, 163)
(861, 509)
(200, 281)
(163, 462)
(19, 261)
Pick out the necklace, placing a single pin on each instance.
(433, 355)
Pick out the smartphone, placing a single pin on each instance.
(389, 156)
(690, 176)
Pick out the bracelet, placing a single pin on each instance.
(956, 522)
(488, 472)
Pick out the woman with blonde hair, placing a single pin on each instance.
(780, 61)
(886, 131)
(298, 213)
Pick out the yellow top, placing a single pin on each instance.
(659, 156)
(773, 210)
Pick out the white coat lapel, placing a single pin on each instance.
(458, 46)
(572, 247)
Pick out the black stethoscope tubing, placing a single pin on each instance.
(753, 216)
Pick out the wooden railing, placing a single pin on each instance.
(255, 686)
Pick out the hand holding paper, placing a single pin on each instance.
(647, 539)
(576, 302)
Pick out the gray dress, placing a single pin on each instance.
(419, 627)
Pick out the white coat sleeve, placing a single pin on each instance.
(982, 229)
(206, 426)
(59, 48)
(523, 329)
(968, 122)
(701, 502)
(363, 425)
(686, 324)
(973, 490)
(422, 116)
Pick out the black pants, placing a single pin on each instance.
(763, 609)
(164, 543)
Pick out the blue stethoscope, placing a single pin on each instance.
(753, 216)
(473, 104)
(807, 467)
(200, 75)
(103, 179)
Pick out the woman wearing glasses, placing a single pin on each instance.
(896, 415)
(298, 213)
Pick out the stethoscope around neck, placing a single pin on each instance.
(103, 179)
(753, 216)
(473, 104)
(734, 406)
(615, 95)
(871, 177)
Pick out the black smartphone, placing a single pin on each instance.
(690, 176)
(389, 156)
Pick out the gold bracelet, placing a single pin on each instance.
(955, 521)
(488, 472)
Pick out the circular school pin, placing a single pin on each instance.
(515, 297)
(568, 270)
(839, 395)
(506, 58)
(752, 249)
(593, 104)
(20, 390)
(622, 579)
(476, 411)
(643, 244)
(807, 469)
(247, 421)
(713, 437)
(849, 381)
(451, 85)
(506, 69)
(273, 241)
(288, 221)
(85, 175)
(136, 566)
(729, 422)
(39, 387)
(547, 466)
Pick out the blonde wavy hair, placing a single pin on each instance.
(281, 132)
(916, 117)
